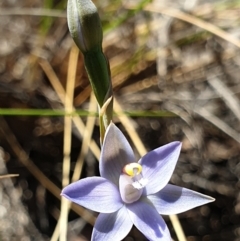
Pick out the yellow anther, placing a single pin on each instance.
(132, 169)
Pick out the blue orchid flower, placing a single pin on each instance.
(133, 193)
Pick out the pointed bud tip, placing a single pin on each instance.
(84, 25)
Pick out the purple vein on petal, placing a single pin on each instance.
(95, 193)
(146, 218)
(116, 153)
(158, 166)
(173, 200)
(112, 226)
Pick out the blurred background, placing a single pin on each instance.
(175, 70)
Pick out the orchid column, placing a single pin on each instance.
(86, 30)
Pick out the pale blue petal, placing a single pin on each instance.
(112, 226)
(146, 218)
(173, 200)
(158, 166)
(116, 153)
(95, 193)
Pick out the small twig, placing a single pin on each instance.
(55, 82)
(33, 12)
(67, 139)
(177, 227)
(8, 176)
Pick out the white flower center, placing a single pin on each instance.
(131, 183)
(134, 170)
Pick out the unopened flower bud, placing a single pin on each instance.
(84, 25)
(86, 30)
